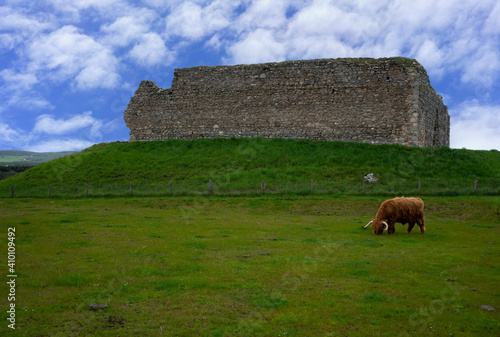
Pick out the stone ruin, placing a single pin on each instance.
(379, 101)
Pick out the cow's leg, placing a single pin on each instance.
(410, 227)
(421, 224)
(391, 229)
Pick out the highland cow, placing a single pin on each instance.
(403, 210)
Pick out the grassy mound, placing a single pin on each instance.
(253, 159)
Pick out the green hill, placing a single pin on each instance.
(28, 158)
(13, 162)
(250, 160)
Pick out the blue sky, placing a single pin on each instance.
(69, 68)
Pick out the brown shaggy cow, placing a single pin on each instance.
(402, 210)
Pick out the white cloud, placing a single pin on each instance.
(15, 20)
(445, 36)
(483, 67)
(75, 133)
(9, 135)
(18, 81)
(192, 21)
(67, 54)
(263, 14)
(57, 145)
(475, 126)
(16, 89)
(49, 125)
(429, 54)
(134, 31)
(214, 43)
(126, 30)
(317, 29)
(259, 46)
(28, 100)
(79, 10)
(51, 134)
(94, 128)
(492, 24)
(7, 42)
(151, 51)
(18, 27)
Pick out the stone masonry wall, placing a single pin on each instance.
(361, 100)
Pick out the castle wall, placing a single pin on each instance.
(435, 120)
(362, 100)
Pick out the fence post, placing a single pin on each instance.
(312, 186)
(476, 185)
(86, 190)
(130, 188)
(48, 191)
(12, 191)
(170, 187)
(263, 186)
(210, 190)
(419, 186)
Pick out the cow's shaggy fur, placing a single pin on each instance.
(403, 210)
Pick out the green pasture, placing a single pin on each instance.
(249, 266)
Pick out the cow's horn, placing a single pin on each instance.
(386, 226)
(368, 224)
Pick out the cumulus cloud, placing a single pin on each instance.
(58, 134)
(50, 134)
(431, 55)
(49, 125)
(151, 50)
(84, 123)
(475, 126)
(18, 81)
(134, 32)
(263, 14)
(126, 30)
(484, 67)
(443, 35)
(79, 10)
(9, 135)
(16, 89)
(67, 54)
(259, 46)
(14, 20)
(17, 28)
(193, 21)
(316, 29)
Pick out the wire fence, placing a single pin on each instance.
(419, 187)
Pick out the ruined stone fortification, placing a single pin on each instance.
(361, 100)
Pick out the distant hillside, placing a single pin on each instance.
(253, 159)
(27, 158)
(13, 162)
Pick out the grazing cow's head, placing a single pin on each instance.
(378, 226)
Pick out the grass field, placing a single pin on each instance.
(261, 266)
